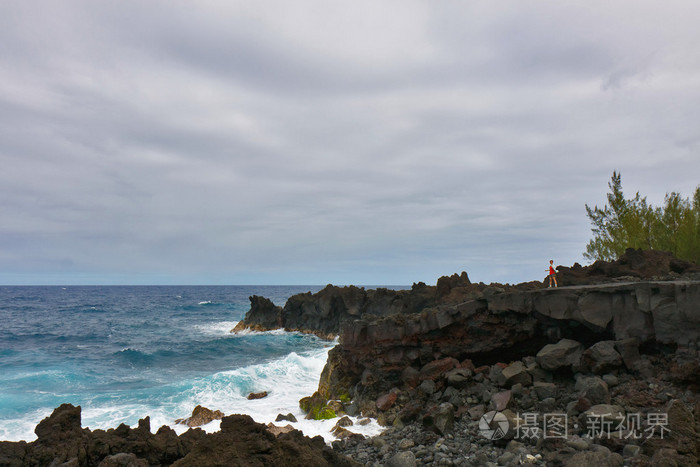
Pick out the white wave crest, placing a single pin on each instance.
(216, 328)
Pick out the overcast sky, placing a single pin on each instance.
(345, 142)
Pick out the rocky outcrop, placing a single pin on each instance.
(632, 265)
(518, 347)
(324, 312)
(263, 315)
(201, 416)
(240, 442)
(508, 326)
(257, 395)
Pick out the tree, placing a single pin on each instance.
(634, 223)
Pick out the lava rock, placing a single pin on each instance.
(565, 353)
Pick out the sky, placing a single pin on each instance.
(315, 142)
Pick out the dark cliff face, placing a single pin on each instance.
(325, 312)
(508, 326)
(387, 338)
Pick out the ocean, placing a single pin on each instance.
(126, 352)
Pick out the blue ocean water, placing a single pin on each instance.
(123, 353)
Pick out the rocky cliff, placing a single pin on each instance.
(506, 326)
(622, 337)
(325, 312)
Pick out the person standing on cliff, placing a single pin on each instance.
(552, 273)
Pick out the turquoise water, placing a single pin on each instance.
(123, 353)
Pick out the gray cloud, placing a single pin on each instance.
(233, 142)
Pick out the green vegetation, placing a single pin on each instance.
(316, 407)
(326, 413)
(634, 223)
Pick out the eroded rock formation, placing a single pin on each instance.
(240, 442)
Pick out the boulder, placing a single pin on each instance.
(288, 418)
(545, 390)
(201, 416)
(316, 407)
(459, 377)
(427, 387)
(681, 426)
(565, 353)
(501, 400)
(601, 357)
(628, 350)
(594, 389)
(386, 401)
(344, 421)
(440, 419)
(257, 395)
(343, 433)
(437, 368)
(410, 411)
(516, 373)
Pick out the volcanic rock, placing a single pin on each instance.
(278, 430)
(263, 315)
(601, 357)
(386, 401)
(288, 418)
(544, 390)
(593, 389)
(441, 418)
(515, 373)
(241, 442)
(564, 353)
(201, 416)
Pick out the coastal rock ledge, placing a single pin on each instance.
(241, 442)
(597, 351)
(615, 341)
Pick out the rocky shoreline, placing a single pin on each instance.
(620, 417)
(603, 370)
(599, 370)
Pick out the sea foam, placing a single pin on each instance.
(286, 380)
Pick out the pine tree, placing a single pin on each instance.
(634, 223)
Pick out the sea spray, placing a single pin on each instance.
(124, 353)
(286, 380)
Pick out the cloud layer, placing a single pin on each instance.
(346, 142)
